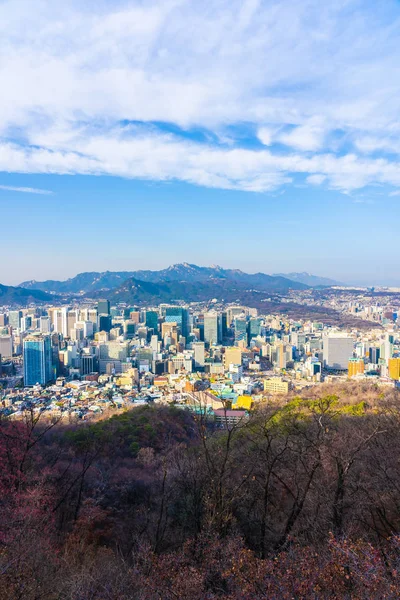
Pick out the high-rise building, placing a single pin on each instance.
(211, 328)
(374, 354)
(337, 350)
(6, 346)
(241, 331)
(355, 367)
(394, 368)
(103, 307)
(199, 358)
(37, 360)
(104, 322)
(254, 328)
(26, 323)
(88, 364)
(45, 324)
(180, 316)
(232, 356)
(233, 312)
(14, 318)
(129, 330)
(152, 320)
(169, 331)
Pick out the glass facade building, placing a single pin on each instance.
(180, 316)
(37, 360)
(241, 331)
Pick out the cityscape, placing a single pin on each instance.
(199, 300)
(83, 359)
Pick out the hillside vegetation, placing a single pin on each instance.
(300, 501)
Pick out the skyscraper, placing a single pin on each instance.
(14, 318)
(152, 320)
(103, 307)
(211, 328)
(337, 351)
(241, 331)
(180, 316)
(37, 360)
(104, 322)
(199, 358)
(254, 328)
(394, 368)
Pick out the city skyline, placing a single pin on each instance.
(254, 134)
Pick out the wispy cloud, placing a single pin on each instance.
(316, 83)
(25, 190)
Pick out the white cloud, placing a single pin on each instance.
(321, 79)
(266, 136)
(316, 179)
(306, 137)
(26, 190)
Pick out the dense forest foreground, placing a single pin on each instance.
(300, 501)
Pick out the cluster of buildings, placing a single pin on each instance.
(171, 353)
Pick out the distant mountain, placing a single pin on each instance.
(82, 283)
(10, 295)
(86, 283)
(308, 279)
(136, 291)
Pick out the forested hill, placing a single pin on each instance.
(299, 501)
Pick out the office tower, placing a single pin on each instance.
(211, 328)
(88, 364)
(169, 333)
(113, 350)
(72, 318)
(199, 358)
(374, 355)
(26, 323)
(280, 355)
(386, 349)
(3, 320)
(355, 367)
(88, 328)
(224, 324)
(254, 328)
(6, 346)
(37, 360)
(77, 334)
(104, 322)
(45, 325)
(129, 330)
(394, 368)
(154, 343)
(233, 312)
(180, 316)
(152, 320)
(135, 316)
(241, 331)
(91, 315)
(103, 307)
(232, 356)
(337, 350)
(64, 320)
(14, 318)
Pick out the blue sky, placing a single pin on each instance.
(256, 134)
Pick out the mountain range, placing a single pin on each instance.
(182, 281)
(308, 279)
(10, 295)
(184, 274)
